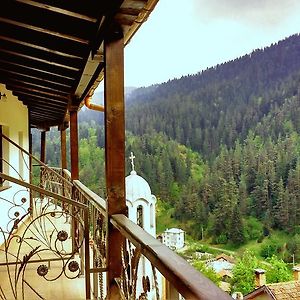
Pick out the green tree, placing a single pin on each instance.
(277, 271)
(236, 233)
(243, 273)
(207, 271)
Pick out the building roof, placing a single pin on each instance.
(226, 257)
(278, 291)
(137, 188)
(51, 54)
(174, 230)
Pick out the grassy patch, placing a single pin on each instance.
(164, 216)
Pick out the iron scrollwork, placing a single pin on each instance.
(33, 234)
(131, 277)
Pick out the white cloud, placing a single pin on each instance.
(268, 13)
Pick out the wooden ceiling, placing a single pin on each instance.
(50, 50)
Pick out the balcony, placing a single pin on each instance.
(56, 243)
(58, 238)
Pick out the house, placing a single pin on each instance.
(274, 291)
(222, 264)
(60, 239)
(173, 238)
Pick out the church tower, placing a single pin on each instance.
(140, 201)
(141, 210)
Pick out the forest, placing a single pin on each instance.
(222, 147)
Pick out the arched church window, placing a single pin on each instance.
(140, 216)
(151, 215)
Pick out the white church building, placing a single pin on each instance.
(140, 201)
(141, 210)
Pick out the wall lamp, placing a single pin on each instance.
(3, 96)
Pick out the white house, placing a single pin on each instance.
(173, 238)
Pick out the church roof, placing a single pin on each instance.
(137, 187)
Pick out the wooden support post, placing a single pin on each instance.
(170, 293)
(63, 148)
(87, 255)
(43, 156)
(114, 156)
(43, 146)
(74, 145)
(74, 169)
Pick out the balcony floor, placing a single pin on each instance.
(62, 288)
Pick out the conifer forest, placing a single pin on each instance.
(221, 147)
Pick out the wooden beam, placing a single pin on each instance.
(74, 145)
(44, 61)
(44, 30)
(36, 69)
(43, 146)
(11, 72)
(63, 149)
(45, 111)
(114, 156)
(38, 47)
(11, 81)
(16, 87)
(58, 10)
(32, 103)
(18, 92)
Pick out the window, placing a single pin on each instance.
(152, 216)
(139, 216)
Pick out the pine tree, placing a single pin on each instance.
(281, 208)
(236, 234)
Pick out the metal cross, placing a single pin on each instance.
(132, 157)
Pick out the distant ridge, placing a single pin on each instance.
(221, 104)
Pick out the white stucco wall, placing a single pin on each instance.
(173, 238)
(14, 121)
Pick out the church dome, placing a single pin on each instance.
(137, 187)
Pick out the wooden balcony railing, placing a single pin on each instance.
(171, 276)
(170, 268)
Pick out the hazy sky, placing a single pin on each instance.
(186, 36)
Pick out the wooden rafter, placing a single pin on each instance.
(44, 30)
(49, 49)
(36, 46)
(58, 10)
(13, 81)
(39, 79)
(33, 95)
(37, 70)
(39, 59)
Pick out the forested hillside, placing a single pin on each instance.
(221, 104)
(221, 147)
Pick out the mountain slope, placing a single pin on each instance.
(221, 104)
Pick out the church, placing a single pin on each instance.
(141, 210)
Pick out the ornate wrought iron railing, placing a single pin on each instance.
(38, 234)
(85, 212)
